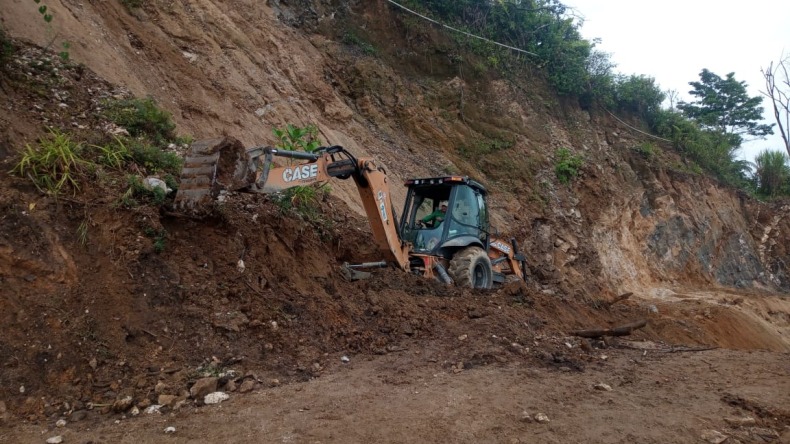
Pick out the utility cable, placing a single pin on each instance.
(460, 31)
(508, 47)
(636, 129)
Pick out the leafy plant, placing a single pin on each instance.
(57, 162)
(542, 28)
(302, 199)
(710, 150)
(153, 158)
(646, 149)
(6, 48)
(142, 118)
(293, 138)
(351, 38)
(46, 15)
(723, 105)
(159, 237)
(482, 147)
(112, 155)
(64, 53)
(567, 165)
(138, 192)
(43, 11)
(639, 95)
(82, 232)
(131, 4)
(772, 173)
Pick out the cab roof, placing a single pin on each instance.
(446, 180)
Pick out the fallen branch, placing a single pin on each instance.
(623, 330)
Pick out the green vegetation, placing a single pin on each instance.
(540, 27)
(46, 15)
(304, 200)
(294, 138)
(567, 165)
(159, 237)
(131, 4)
(6, 49)
(484, 146)
(42, 9)
(150, 129)
(707, 132)
(139, 193)
(142, 118)
(772, 173)
(723, 106)
(82, 233)
(353, 39)
(153, 158)
(646, 149)
(57, 162)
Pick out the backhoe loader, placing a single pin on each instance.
(457, 248)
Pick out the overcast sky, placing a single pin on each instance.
(673, 40)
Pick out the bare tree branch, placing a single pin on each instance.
(778, 90)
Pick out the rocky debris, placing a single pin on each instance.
(122, 405)
(55, 440)
(603, 387)
(231, 321)
(746, 421)
(247, 385)
(216, 398)
(156, 408)
(713, 436)
(230, 386)
(541, 418)
(166, 400)
(765, 434)
(60, 423)
(160, 388)
(203, 387)
(150, 183)
(3, 412)
(134, 411)
(78, 415)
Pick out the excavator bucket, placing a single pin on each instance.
(210, 167)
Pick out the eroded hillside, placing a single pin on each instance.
(90, 322)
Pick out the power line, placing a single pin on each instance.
(460, 31)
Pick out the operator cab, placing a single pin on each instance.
(432, 231)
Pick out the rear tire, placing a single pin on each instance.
(471, 268)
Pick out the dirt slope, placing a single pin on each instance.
(88, 323)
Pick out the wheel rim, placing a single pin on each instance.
(479, 276)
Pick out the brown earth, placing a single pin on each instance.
(88, 321)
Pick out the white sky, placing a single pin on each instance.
(673, 40)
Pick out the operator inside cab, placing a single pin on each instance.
(435, 219)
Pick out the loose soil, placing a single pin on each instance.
(254, 295)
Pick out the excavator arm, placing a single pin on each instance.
(218, 165)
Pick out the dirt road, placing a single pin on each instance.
(655, 397)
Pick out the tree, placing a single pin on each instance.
(779, 93)
(639, 95)
(772, 172)
(724, 106)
